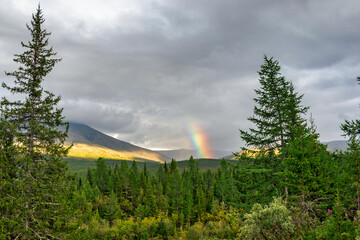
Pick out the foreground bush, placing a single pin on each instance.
(339, 224)
(268, 222)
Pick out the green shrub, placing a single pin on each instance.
(195, 232)
(268, 222)
(218, 229)
(338, 225)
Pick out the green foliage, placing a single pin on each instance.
(351, 129)
(351, 168)
(188, 200)
(102, 178)
(225, 189)
(38, 200)
(277, 106)
(268, 222)
(37, 119)
(195, 232)
(338, 224)
(32, 146)
(256, 180)
(305, 162)
(174, 190)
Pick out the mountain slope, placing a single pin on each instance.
(91, 143)
(184, 154)
(332, 146)
(336, 145)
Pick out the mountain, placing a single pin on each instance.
(230, 157)
(178, 154)
(336, 145)
(185, 154)
(332, 146)
(91, 143)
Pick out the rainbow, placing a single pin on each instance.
(199, 140)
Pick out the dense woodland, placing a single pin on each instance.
(285, 184)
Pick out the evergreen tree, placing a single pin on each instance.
(8, 172)
(144, 178)
(117, 184)
(7, 150)
(174, 191)
(89, 176)
(38, 136)
(305, 163)
(256, 180)
(200, 203)
(89, 192)
(37, 117)
(150, 202)
(173, 167)
(209, 188)
(102, 177)
(351, 130)
(124, 179)
(276, 107)
(225, 189)
(222, 181)
(134, 184)
(188, 211)
(162, 178)
(193, 168)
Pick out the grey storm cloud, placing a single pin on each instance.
(143, 70)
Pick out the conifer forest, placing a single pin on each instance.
(285, 184)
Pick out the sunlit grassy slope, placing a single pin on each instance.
(87, 151)
(91, 144)
(90, 151)
(251, 152)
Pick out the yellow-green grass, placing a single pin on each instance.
(80, 150)
(253, 153)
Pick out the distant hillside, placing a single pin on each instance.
(230, 157)
(204, 164)
(92, 144)
(185, 154)
(336, 145)
(332, 146)
(80, 165)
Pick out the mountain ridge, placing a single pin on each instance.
(91, 143)
(340, 145)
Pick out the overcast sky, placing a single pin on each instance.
(143, 71)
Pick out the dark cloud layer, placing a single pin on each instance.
(142, 71)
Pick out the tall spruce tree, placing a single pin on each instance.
(38, 185)
(305, 165)
(277, 106)
(38, 118)
(351, 130)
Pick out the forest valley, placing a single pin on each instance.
(286, 185)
